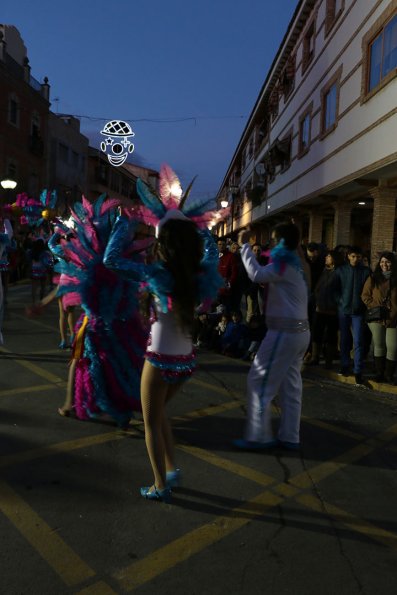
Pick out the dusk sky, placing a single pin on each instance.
(185, 74)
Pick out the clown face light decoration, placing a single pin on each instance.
(116, 144)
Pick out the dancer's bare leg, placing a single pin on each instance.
(62, 329)
(71, 319)
(68, 404)
(153, 397)
(167, 431)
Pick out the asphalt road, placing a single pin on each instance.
(323, 520)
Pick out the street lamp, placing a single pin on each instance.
(8, 185)
(224, 204)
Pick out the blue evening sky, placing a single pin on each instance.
(185, 74)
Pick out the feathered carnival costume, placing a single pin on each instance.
(157, 280)
(111, 338)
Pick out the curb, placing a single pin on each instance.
(317, 373)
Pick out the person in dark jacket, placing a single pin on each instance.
(315, 259)
(325, 321)
(349, 282)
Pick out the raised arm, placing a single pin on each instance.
(122, 235)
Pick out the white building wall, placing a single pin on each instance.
(366, 132)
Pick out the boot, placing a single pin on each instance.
(380, 366)
(389, 371)
(315, 358)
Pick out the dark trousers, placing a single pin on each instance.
(325, 329)
(354, 322)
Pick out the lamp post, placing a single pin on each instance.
(8, 185)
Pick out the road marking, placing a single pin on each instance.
(62, 559)
(213, 387)
(183, 548)
(62, 447)
(241, 470)
(100, 588)
(336, 429)
(52, 328)
(165, 558)
(38, 370)
(207, 411)
(30, 389)
(345, 518)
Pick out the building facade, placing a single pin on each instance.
(319, 146)
(24, 112)
(67, 163)
(116, 182)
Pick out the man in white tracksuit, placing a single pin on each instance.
(276, 368)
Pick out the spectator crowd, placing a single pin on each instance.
(352, 310)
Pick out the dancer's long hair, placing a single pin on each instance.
(180, 247)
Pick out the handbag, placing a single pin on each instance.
(377, 314)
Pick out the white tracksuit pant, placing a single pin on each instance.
(276, 369)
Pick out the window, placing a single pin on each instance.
(308, 46)
(383, 54)
(273, 104)
(102, 174)
(263, 131)
(287, 79)
(63, 153)
(334, 9)
(305, 131)
(330, 104)
(13, 110)
(278, 158)
(35, 125)
(75, 159)
(329, 118)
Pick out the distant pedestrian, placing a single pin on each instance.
(349, 281)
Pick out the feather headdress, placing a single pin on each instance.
(170, 202)
(108, 373)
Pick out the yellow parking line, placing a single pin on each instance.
(62, 559)
(61, 447)
(100, 588)
(34, 322)
(212, 387)
(319, 472)
(241, 470)
(195, 541)
(29, 389)
(34, 368)
(206, 411)
(356, 524)
(139, 573)
(336, 429)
